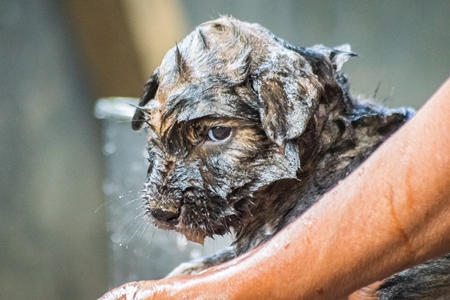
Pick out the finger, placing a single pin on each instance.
(366, 293)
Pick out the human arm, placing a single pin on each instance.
(391, 213)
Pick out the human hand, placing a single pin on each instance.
(136, 290)
(366, 293)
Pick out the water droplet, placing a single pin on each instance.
(109, 149)
(307, 221)
(115, 238)
(181, 242)
(307, 241)
(109, 188)
(195, 253)
(361, 171)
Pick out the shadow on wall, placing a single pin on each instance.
(52, 244)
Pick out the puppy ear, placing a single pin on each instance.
(150, 89)
(337, 55)
(290, 84)
(324, 61)
(288, 93)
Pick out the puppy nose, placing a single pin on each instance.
(164, 215)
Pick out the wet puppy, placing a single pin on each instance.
(246, 132)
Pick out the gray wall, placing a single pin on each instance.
(52, 244)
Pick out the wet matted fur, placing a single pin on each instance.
(246, 132)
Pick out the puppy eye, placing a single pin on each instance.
(219, 134)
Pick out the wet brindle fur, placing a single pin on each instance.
(295, 132)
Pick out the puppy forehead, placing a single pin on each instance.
(195, 101)
(219, 47)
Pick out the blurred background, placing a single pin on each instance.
(58, 57)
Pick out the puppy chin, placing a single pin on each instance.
(193, 236)
(196, 235)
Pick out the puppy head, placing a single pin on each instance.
(223, 112)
